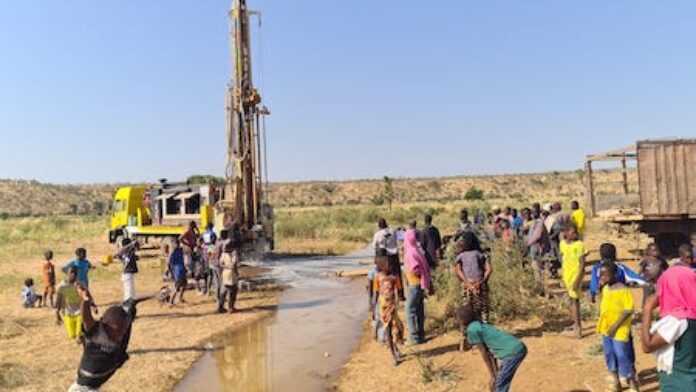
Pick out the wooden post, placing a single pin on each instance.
(624, 173)
(589, 189)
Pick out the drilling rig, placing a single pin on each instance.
(244, 199)
(164, 211)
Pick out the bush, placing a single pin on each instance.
(473, 194)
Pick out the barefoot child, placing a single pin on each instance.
(178, 271)
(573, 255)
(29, 296)
(501, 352)
(49, 278)
(387, 287)
(68, 304)
(83, 266)
(614, 324)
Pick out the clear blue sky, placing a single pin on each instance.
(134, 90)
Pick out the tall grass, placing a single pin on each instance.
(514, 294)
(349, 228)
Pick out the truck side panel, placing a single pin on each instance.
(665, 168)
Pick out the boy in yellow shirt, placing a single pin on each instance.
(614, 324)
(578, 218)
(573, 256)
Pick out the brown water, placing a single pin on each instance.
(301, 347)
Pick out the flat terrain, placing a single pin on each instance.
(38, 356)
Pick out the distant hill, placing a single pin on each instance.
(33, 198)
(29, 197)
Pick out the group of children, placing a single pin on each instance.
(212, 262)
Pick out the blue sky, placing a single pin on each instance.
(133, 90)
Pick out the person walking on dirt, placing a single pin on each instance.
(178, 271)
(188, 241)
(419, 283)
(386, 288)
(577, 217)
(229, 262)
(385, 243)
(432, 241)
(129, 258)
(573, 251)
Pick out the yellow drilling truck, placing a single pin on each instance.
(164, 210)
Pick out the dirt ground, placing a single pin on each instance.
(555, 363)
(38, 356)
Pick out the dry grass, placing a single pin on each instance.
(36, 353)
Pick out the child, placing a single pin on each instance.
(68, 305)
(473, 270)
(106, 342)
(178, 271)
(577, 217)
(48, 277)
(387, 287)
(29, 297)
(129, 258)
(501, 352)
(200, 273)
(651, 267)
(229, 262)
(573, 256)
(83, 266)
(607, 253)
(614, 324)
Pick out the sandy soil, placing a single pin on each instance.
(38, 356)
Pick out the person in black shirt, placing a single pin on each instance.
(432, 242)
(105, 344)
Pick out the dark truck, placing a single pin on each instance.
(665, 207)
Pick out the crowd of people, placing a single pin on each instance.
(551, 241)
(211, 262)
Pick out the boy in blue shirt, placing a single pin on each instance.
(501, 352)
(607, 252)
(82, 264)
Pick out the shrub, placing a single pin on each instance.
(473, 194)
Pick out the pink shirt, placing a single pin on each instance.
(676, 291)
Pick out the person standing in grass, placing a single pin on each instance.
(178, 271)
(573, 252)
(432, 241)
(419, 283)
(68, 302)
(473, 270)
(48, 277)
(83, 266)
(614, 325)
(577, 217)
(501, 352)
(386, 288)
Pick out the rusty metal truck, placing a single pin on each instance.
(664, 178)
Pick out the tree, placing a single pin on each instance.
(473, 194)
(388, 192)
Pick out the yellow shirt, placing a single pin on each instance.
(578, 219)
(412, 279)
(572, 253)
(614, 303)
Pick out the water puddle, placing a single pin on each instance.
(302, 346)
